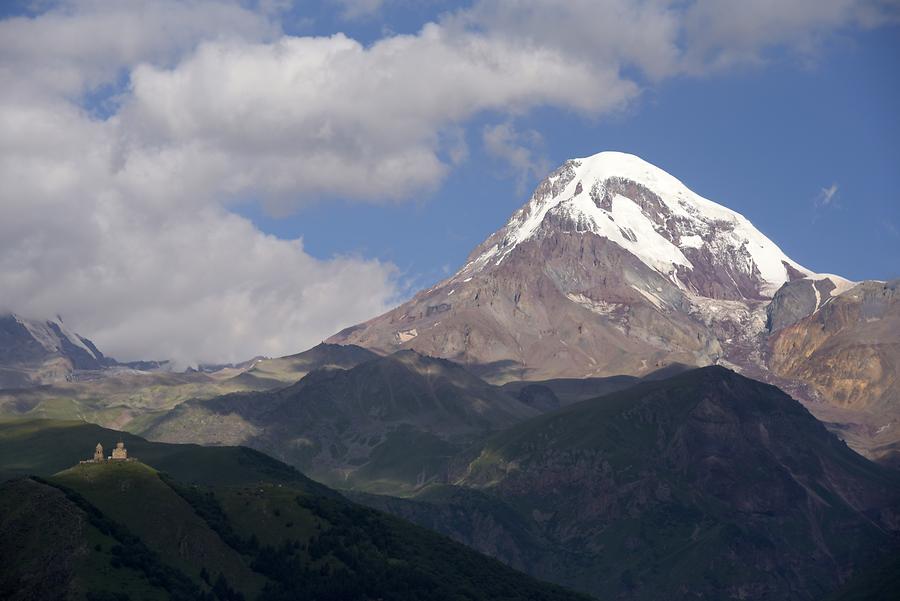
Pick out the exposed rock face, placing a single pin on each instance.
(801, 297)
(527, 320)
(848, 351)
(793, 301)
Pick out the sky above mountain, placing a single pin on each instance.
(211, 180)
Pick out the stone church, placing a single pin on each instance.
(119, 453)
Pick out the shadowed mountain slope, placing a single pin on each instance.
(557, 392)
(705, 485)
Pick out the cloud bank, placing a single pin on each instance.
(129, 130)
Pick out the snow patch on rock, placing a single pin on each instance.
(595, 306)
(406, 335)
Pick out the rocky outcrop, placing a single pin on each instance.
(848, 352)
(793, 301)
(801, 297)
(849, 349)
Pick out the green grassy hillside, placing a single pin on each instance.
(133, 494)
(50, 548)
(223, 523)
(44, 447)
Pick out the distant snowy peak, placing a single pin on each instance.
(44, 351)
(699, 245)
(55, 337)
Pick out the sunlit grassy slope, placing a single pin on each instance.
(132, 400)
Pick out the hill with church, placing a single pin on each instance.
(189, 522)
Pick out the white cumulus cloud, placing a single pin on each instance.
(827, 196)
(304, 118)
(519, 149)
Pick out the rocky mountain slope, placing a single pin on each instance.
(847, 350)
(704, 485)
(226, 524)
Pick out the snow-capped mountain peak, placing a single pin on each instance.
(654, 216)
(613, 266)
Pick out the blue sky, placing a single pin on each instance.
(209, 180)
(765, 140)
